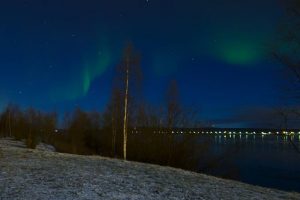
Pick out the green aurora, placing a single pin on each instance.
(237, 48)
(241, 53)
(79, 83)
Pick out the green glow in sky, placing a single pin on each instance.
(86, 81)
(238, 48)
(92, 71)
(240, 53)
(79, 80)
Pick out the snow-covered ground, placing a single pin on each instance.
(7, 142)
(44, 174)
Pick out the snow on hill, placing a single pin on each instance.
(8, 142)
(35, 174)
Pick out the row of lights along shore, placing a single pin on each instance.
(227, 132)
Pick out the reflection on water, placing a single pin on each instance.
(268, 160)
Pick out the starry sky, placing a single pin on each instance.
(56, 55)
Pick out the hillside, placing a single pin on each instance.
(43, 174)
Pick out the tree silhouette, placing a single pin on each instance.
(78, 129)
(286, 49)
(126, 83)
(112, 120)
(174, 109)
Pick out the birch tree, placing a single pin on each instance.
(130, 76)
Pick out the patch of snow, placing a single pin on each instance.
(45, 147)
(9, 142)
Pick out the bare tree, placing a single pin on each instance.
(173, 114)
(286, 115)
(127, 64)
(11, 120)
(287, 50)
(148, 116)
(34, 126)
(178, 115)
(77, 129)
(129, 76)
(174, 109)
(113, 119)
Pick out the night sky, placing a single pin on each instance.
(56, 55)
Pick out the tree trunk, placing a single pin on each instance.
(125, 111)
(9, 123)
(113, 142)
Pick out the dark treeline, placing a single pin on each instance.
(112, 133)
(92, 133)
(30, 125)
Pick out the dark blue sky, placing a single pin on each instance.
(59, 54)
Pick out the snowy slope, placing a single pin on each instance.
(35, 174)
